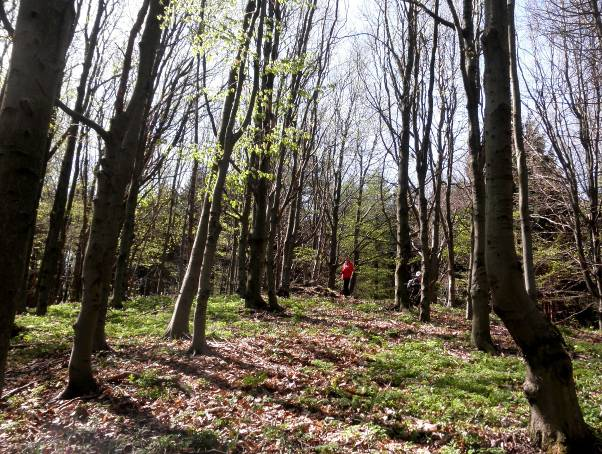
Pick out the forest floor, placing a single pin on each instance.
(328, 376)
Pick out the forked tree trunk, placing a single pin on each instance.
(117, 165)
(404, 245)
(479, 289)
(556, 423)
(178, 327)
(42, 36)
(227, 140)
(126, 241)
(427, 281)
(48, 275)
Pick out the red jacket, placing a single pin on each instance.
(347, 270)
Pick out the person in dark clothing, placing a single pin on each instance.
(346, 273)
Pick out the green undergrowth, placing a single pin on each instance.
(421, 380)
(435, 378)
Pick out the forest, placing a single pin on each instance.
(289, 226)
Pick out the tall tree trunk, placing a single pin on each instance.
(422, 164)
(178, 325)
(468, 307)
(42, 35)
(289, 242)
(404, 245)
(117, 165)
(120, 283)
(258, 236)
(479, 289)
(75, 292)
(451, 255)
(227, 140)
(263, 237)
(333, 250)
(274, 214)
(49, 269)
(521, 161)
(556, 423)
(356, 230)
(243, 242)
(232, 267)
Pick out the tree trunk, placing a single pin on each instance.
(404, 245)
(120, 283)
(178, 325)
(75, 292)
(243, 243)
(451, 256)
(274, 215)
(258, 237)
(199, 341)
(42, 36)
(479, 289)
(227, 140)
(468, 308)
(263, 236)
(556, 423)
(422, 165)
(356, 229)
(117, 165)
(232, 268)
(333, 262)
(289, 241)
(49, 269)
(521, 161)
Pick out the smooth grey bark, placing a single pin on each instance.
(178, 327)
(127, 235)
(226, 140)
(479, 289)
(265, 216)
(427, 278)
(48, 275)
(556, 422)
(243, 242)
(42, 35)
(403, 242)
(116, 166)
(521, 161)
(333, 247)
(75, 291)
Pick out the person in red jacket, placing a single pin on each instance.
(346, 273)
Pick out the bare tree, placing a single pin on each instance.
(121, 142)
(41, 38)
(556, 420)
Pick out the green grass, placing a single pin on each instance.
(422, 380)
(399, 376)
